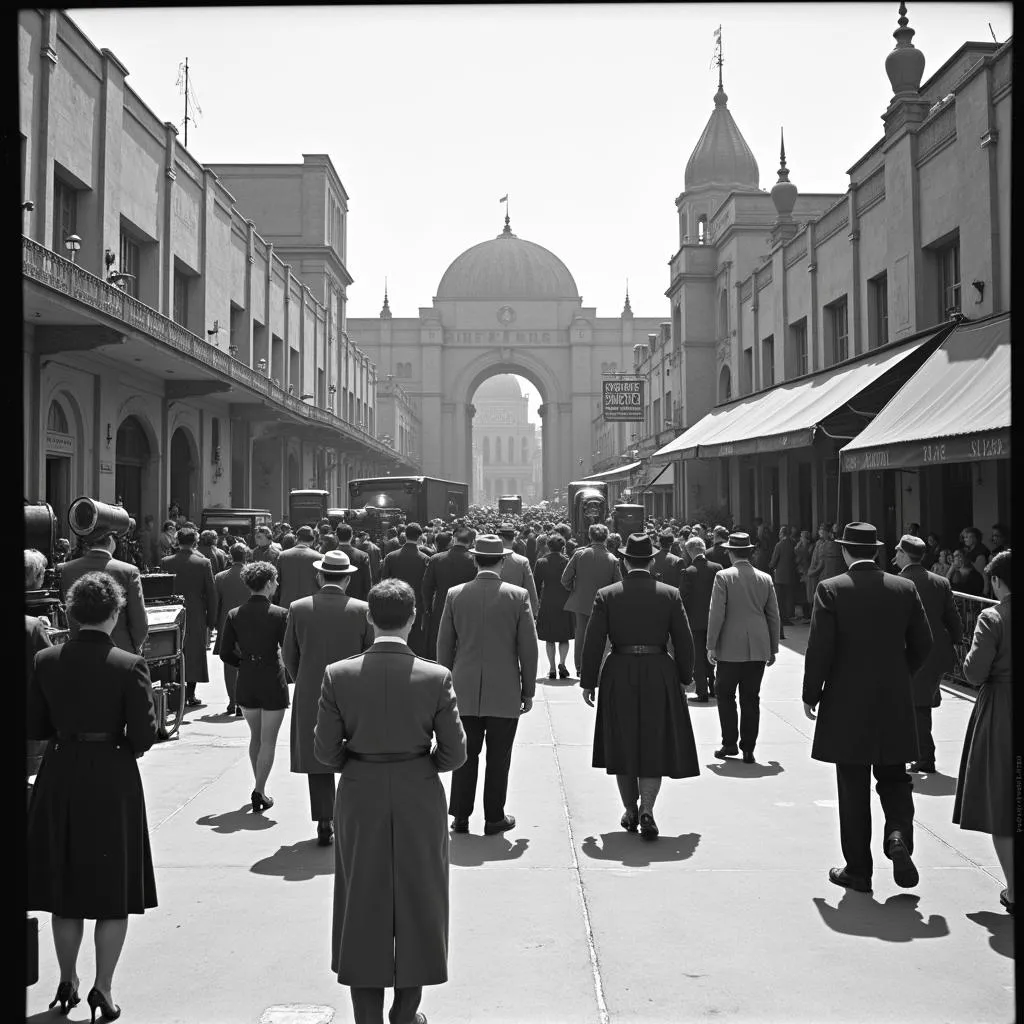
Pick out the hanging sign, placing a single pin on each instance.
(623, 400)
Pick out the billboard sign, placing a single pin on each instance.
(623, 400)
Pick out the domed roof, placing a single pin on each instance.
(502, 387)
(507, 267)
(721, 156)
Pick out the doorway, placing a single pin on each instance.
(131, 464)
(58, 488)
(183, 474)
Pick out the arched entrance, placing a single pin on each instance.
(184, 473)
(294, 473)
(132, 467)
(61, 443)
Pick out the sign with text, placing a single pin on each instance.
(623, 400)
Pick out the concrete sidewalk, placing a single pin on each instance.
(566, 919)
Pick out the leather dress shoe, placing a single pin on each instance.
(1005, 902)
(492, 828)
(904, 873)
(324, 833)
(630, 820)
(460, 825)
(840, 876)
(727, 752)
(748, 757)
(551, 674)
(230, 710)
(926, 767)
(194, 702)
(238, 711)
(648, 828)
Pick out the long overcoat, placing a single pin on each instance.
(390, 925)
(445, 570)
(947, 630)
(193, 579)
(409, 563)
(324, 628)
(296, 576)
(869, 635)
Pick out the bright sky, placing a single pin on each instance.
(585, 115)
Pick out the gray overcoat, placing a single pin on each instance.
(390, 924)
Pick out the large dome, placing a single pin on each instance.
(721, 156)
(506, 268)
(502, 387)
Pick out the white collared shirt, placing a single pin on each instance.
(390, 640)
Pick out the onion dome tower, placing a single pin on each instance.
(784, 194)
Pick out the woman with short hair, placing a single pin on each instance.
(251, 642)
(985, 793)
(554, 624)
(88, 838)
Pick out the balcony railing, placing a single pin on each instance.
(47, 268)
(968, 608)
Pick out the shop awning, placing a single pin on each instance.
(618, 473)
(664, 476)
(786, 416)
(956, 408)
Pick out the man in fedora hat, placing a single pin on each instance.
(743, 639)
(589, 569)
(947, 630)
(488, 639)
(642, 729)
(869, 636)
(325, 627)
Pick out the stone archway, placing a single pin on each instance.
(184, 487)
(133, 469)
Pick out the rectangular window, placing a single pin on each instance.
(838, 339)
(214, 438)
(658, 426)
(668, 408)
(180, 313)
(768, 361)
(65, 215)
(797, 363)
(878, 310)
(129, 264)
(949, 279)
(747, 372)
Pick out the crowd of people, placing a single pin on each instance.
(419, 654)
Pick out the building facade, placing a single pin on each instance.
(504, 442)
(170, 354)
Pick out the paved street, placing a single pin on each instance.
(567, 919)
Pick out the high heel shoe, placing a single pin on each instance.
(261, 803)
(551, 674)
(97, 1002)
(563, 672)
(67, 995)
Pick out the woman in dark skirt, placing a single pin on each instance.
(253, 635)
(88, 839)
(985, 795)
(642, 731)
(554, 624)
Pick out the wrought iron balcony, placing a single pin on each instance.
(47, 268)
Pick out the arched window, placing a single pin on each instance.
(725, 385)
(511, 451)
(524, 448)
(702, 230)
(682, 227)
(723, 314)
(56, 421)
(487, 450)
(497, 449)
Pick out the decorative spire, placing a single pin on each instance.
(385, 313)
(627, 310)
(784, 192)
(507, 232)
(720, 97)
(905, 64)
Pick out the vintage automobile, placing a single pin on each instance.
(241, 522)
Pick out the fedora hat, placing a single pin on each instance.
(863, 534)
(638, 548)
(335, 563)
(488, 544)
(912, 545)
(738, 542)
(506, 528)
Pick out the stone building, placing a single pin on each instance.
(504, 442)
(797, 319)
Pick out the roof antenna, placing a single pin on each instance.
(994, 40)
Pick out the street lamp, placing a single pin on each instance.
(72, 243)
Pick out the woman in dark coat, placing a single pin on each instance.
(554, 624)
(984, 799)
(252, 640)
(88, 839)
(642, 730)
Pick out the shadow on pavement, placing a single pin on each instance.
(219, 717)
(631, 851)
(236, 821)
(1001, 927)
(469, 851)
(544, 681)
(896, 920)
(733, 768)
(50, 1015)
(934, 785)
(299, 862)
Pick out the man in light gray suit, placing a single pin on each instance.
(743, 638)
(488, 639)
(589, 570)
(516, 568)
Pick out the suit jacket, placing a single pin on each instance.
(218, 560)
(869, 636)
(783, 563)
(720, 555)
(327, 627)
(445, 570)
(696, 582)
(296, 575)
(193, 579)
(947, 629)
(531, 550)
(516, 570)
(589, 569)
(231, 592)
(667, 567)
(362, 582)
(637, 610)
(132, 624)
(488, 639)
(271, 553)
(409, 563)
(376, 560)
(743, 621)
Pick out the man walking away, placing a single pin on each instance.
(589, 569)
(515, 569)
(869, 637)
(667, 566)
(783, 567)
(358, 588)
(488, 639)
(379, 712)
(231, 592)
(445, 570)
(696, 583)
(947, 629)
(409, 563)
(743, 639)
(297, 577)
